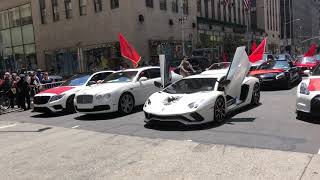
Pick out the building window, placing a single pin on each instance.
(83, 7)
(42, 4)
(114, 4)
(97, 5)
(25, 12)
(206, 8)
(55, 11)
(213, 8)
(199, 7)
(149, 3)
(163, 5)
(14, 17)
(185, 7)
(68, 8)
(4, 20)
(175, 6)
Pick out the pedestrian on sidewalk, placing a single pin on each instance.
(7, 87)
(22, 92)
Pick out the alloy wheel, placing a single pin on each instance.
(256, 94)
(219, 110)
(126, 103)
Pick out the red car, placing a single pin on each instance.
(306, 63)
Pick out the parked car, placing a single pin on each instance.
(61, 98)
(266, 57)
(306, 63)
(121, 91)
(308, 94)
(205, 97)
(277, 73)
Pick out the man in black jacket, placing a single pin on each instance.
(7, 85)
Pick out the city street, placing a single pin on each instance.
(272, 125)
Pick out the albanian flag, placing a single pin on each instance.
(253, 46)
(257, 54)
(311, 51)
(128, 52)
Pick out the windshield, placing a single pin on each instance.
(77, 80)
(281, 57)
(216, 66)
(307, 60)
(189, 86)
(125, 76)
(275, 65)
(316, 71)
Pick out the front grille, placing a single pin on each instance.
(95, 109)
(41, 99)
(196, 116)
(315, 105)
(85, 99)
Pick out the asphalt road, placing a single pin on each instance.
(272, 125)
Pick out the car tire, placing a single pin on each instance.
(70, 105)
(288, 85)
(301, 115)
(219, 113)
(255, 100)
(126, 103)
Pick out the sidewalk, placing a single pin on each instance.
(32, 151)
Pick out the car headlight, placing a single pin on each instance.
(304, 89)
(281, 75)
(99, 98)
(106, 96)
(195, 104)
(148, 102)
(56, 97)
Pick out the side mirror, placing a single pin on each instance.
(224, 82)
(307, 72)
(91, 83)
(143, 79)
(157, 84)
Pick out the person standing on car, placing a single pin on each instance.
(186, 68)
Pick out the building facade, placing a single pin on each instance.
(223, 26)
(80, 35)
(268, 18)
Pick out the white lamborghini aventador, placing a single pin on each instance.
(206, 97)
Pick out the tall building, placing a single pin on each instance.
(268, 18)
(299, 22)
(81, 35)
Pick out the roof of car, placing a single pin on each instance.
(217, 76)
(140, 69)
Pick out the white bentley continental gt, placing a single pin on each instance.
(206, 97)
(308, 94)
(121, 91)
(61, 98)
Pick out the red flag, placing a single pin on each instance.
(311, 51)
(225, 58)
(257, 54)
(127, 51)
(253, 46)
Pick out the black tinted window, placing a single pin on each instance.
(154, 73)
(100, 76)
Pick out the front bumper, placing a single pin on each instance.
(96, 107)
(308, 104)
(266, 83)
(55, 106)
(185, 119)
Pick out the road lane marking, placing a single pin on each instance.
(189, 140)
(319, 151)
(74, 127)
(11, 125)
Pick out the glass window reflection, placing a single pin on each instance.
(26, 17)
(5, 39)
(16, 36)
(27, 33)
(4, 20)
(18, 56)
(14, 17)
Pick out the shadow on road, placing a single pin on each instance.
(176, 126)
(36, 131)
(310, 119)
(50, 115)
(106, 116)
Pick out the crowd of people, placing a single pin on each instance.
(19, 88)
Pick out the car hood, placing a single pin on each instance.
(102, 88)
(266, 71)
(59, 90)
(163, 103)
